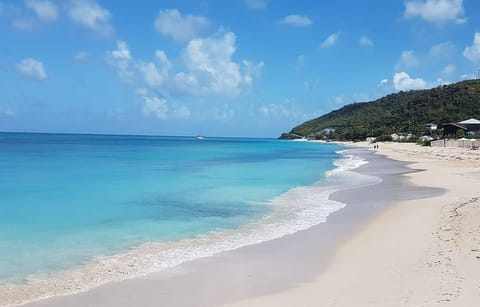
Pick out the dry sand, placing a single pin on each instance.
(417, 253)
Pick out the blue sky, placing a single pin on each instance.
(216, 67)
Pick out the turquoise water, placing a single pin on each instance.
(67, 198)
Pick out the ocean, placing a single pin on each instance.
(129, 205)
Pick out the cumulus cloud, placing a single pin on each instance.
(45, 10)
(90, 15)
(211, 70)
(382, 82)
(257, 4)
(436, 11)
(154, 106)
(31, 69)
(159, 108)
(330, 41)
(155, 74)
(251, 71)
(180, 28)
(403, 82)
(366, 41)
(205, 69)
(473, 52)
(121, 60)
(296, 21)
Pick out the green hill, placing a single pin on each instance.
(403, 112)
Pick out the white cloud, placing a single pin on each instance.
(296, 21)
(473, 52)
(436, 11)
(211, 70)
(366, 41)
(6, 110)
(89, 14)
(448, 70)
(154, 106)
(403, 82)
(163, 59)
(330, 41)
(156, 75)
(206, 69)
(81, 56)
(160, 108)
(180, 28)
(382, 82)
(31, 69)
(256, 4)
(151, 74)
(45, 10)
(251, 70)
(121, 60)
(407, 60)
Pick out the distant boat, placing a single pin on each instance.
(200, 138)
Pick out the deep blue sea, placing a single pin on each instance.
(66, 199)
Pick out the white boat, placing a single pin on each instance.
(200, 138)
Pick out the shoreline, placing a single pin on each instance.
(250, 271)
(418, 252)
(129, 265)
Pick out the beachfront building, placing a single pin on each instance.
(469, 127)
(327, 131)
(400, 137)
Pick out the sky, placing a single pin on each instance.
(252, 68)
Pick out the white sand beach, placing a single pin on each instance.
(417, 253)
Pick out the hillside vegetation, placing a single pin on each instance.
(404, 112)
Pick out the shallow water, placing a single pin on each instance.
(65, 199)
